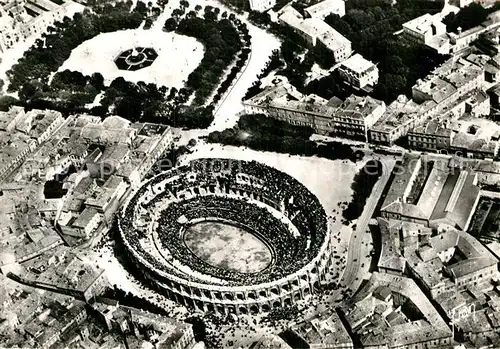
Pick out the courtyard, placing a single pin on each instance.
(485, 224)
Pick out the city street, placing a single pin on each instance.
(352, 277)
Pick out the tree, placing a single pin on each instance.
(467, 18)
(178, 12)
(97, 81)
(170, 24)
(27, 91)
(6, 102)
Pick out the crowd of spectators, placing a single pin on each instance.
(222, 189)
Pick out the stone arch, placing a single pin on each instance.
(190, 302)
(314, 270)
(218, 295)
(265, 307)
(254, 309)
(210, 307)
(316, 286)
(296, 297)
(286, 287)
(221, 310)
(288, 302)
(207, 294)
(306, 291)
(252, 295)
(295, 282)
(240, 296)
(276, 304)
(275, 291)
(180, 299)
(231, 309)
(243, 310)
(229, 296)
(263, 293)
(170, 295)
(200, 305)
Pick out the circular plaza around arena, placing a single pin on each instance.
(227, 236)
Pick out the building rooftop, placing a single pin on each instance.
(446, 79)
(371, 324)
(400, 112)
(324, 6)
(7, 117)
(66, 270)
(433, 127)
(353, 107)
(357, 63)
(85, 217)
(423, 23)
(316, 29)
(42, 119)
(269, 341)
(439, 201)
(426, 263)
(324, 330)
(390, 256)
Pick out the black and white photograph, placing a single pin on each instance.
(249, 174)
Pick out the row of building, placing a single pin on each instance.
(351, 118)
(21, 20)
(316, 32)
(319, 9)
(75, 172)
(444, 114)
(429, 30)
(21, 132)
(435, 283)
(35, 318)
(423, 230)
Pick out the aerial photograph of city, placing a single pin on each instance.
(249, 174)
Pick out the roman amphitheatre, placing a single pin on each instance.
(184, 230)
(177, 56)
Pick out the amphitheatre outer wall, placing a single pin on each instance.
(229, 298)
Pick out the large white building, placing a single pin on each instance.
(432, 97)
(358, 72)
(318, 33)
(324, 8)
(262, 5)
(351, 118)
(424, 28)
(20, 20)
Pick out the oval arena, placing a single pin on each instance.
(227, 236)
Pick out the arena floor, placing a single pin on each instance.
(227, 246)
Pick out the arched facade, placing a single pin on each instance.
(208, 293)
